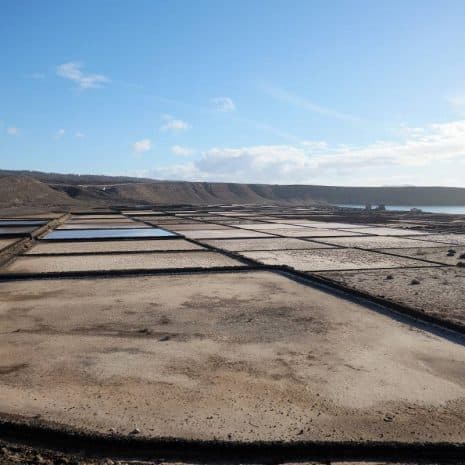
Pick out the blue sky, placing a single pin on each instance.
(321, 92)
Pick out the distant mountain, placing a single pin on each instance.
(50, 189)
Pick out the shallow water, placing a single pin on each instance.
(4, 223)
(107, 233)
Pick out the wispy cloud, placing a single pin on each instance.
(223, 104)
(286, 96)
(79, 135)
(173, 124)
(73, 71)
(181, 150)
(13, 131)
(143, 145)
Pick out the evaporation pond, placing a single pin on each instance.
(4, 223)
(107, 233)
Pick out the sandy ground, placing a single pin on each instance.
(331, 259)
(311, 232)
(84, 220)
(6, 242)
(165, 220)
(377, 242)
(193, 227)
(387, 231)
(435, 254)
(152, 245)
(325, 224)
(92, 217)
(265, 226)
(440, 292)
(452, 239)
(278, 243)
(221, 234)
(243, 356)
(124, 225)
(148, 261)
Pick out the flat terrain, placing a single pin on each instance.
(377, 242)
(80, 247)
(248, 356)
(331, 259)
(452, 239)
(435, 254)
(308, 232)
(147, 261)
(237, 245)
(386, 231)
(109, 225)
(440, 291)
(236, 339)
(221, 234)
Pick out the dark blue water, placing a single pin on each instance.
(457, 210)
(107, 233)
(11, 231)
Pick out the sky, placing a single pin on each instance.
(283, 92)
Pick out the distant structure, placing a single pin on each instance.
(368, 206)
(381, 208)
(416, 210)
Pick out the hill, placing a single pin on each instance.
(60, 190)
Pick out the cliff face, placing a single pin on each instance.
(47, 189)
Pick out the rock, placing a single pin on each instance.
(461, 264)
(135, 431)
(389, 276)
(388, 417)
(452, 251)
(165, 338)
(414, 282)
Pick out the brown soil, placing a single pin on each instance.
(248, 356)
(440, 292)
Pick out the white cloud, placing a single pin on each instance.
(143, 145)
(60, 133)
(181, 150)
(13, 131)
(79, 135)
(224, 104)
(173, 124)
(422, 156)
(73, 71)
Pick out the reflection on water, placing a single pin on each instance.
(107, 233)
